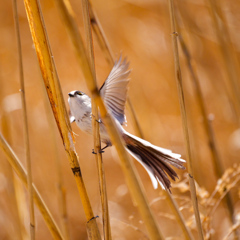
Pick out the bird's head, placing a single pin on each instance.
(78, 100)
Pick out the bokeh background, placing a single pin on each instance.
(140, 30)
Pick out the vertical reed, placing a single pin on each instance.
(178, 77)
(128, 168)
(229, 58)
(60, 184)
(55, 96)
(217, 162)
(95, 124)
(103, 43)
(25, 122)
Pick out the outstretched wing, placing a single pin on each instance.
(114, 90)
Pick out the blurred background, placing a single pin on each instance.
(141, 31)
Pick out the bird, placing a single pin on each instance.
(157, 161)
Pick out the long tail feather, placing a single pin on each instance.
(155, 160)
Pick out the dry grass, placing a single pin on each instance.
(141, 31)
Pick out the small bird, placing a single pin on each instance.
(155, 160)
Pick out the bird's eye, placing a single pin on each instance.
(79, 93)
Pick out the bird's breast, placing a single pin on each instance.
(84, 122)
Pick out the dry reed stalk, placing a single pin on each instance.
(95, 125)
(61, 189)
(22, 205)
(104, 45)
(20, 231)
(228, 199)
(25, 122)
(101, 38)
(55, 96)
(178, 77)
(178, 216)
(132, 178)
(217, 162)
(233, 229)
(229, 57)
(22, 174)
(60, 185)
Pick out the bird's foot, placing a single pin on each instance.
(101, 150)
(97, 120)
(93, 152)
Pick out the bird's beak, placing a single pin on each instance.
(70, 94)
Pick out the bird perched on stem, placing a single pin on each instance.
(155, 160)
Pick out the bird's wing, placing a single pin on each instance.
(114, 90)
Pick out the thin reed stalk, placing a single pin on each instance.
(233, 229)
(104, 45)
(178, 77)
(178, 215)
(95, 125)
(132, 178)
(60, 184)
(217, 162)
(228, 199)
(22, 174)
(61, 189)
(25, 123)
(22, 206)
(100, 35)
(20, 231)
(55, 96)
(229, 58)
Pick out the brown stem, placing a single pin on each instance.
(178, 77)
(95, 124)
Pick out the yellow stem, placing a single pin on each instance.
(25, 123)
(178, 77)
(21, 172)
(95, 125)
(55, 96)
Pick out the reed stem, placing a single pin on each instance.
(130, 173)
(217, 162)
(25, 123)
(104, 45)
(60, 183)
(55, 96)
(22, 174)
(178, 215)
(229, 57)
(178, 77)
(95, 124)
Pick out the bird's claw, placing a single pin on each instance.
(101, 151)
(99, 120)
